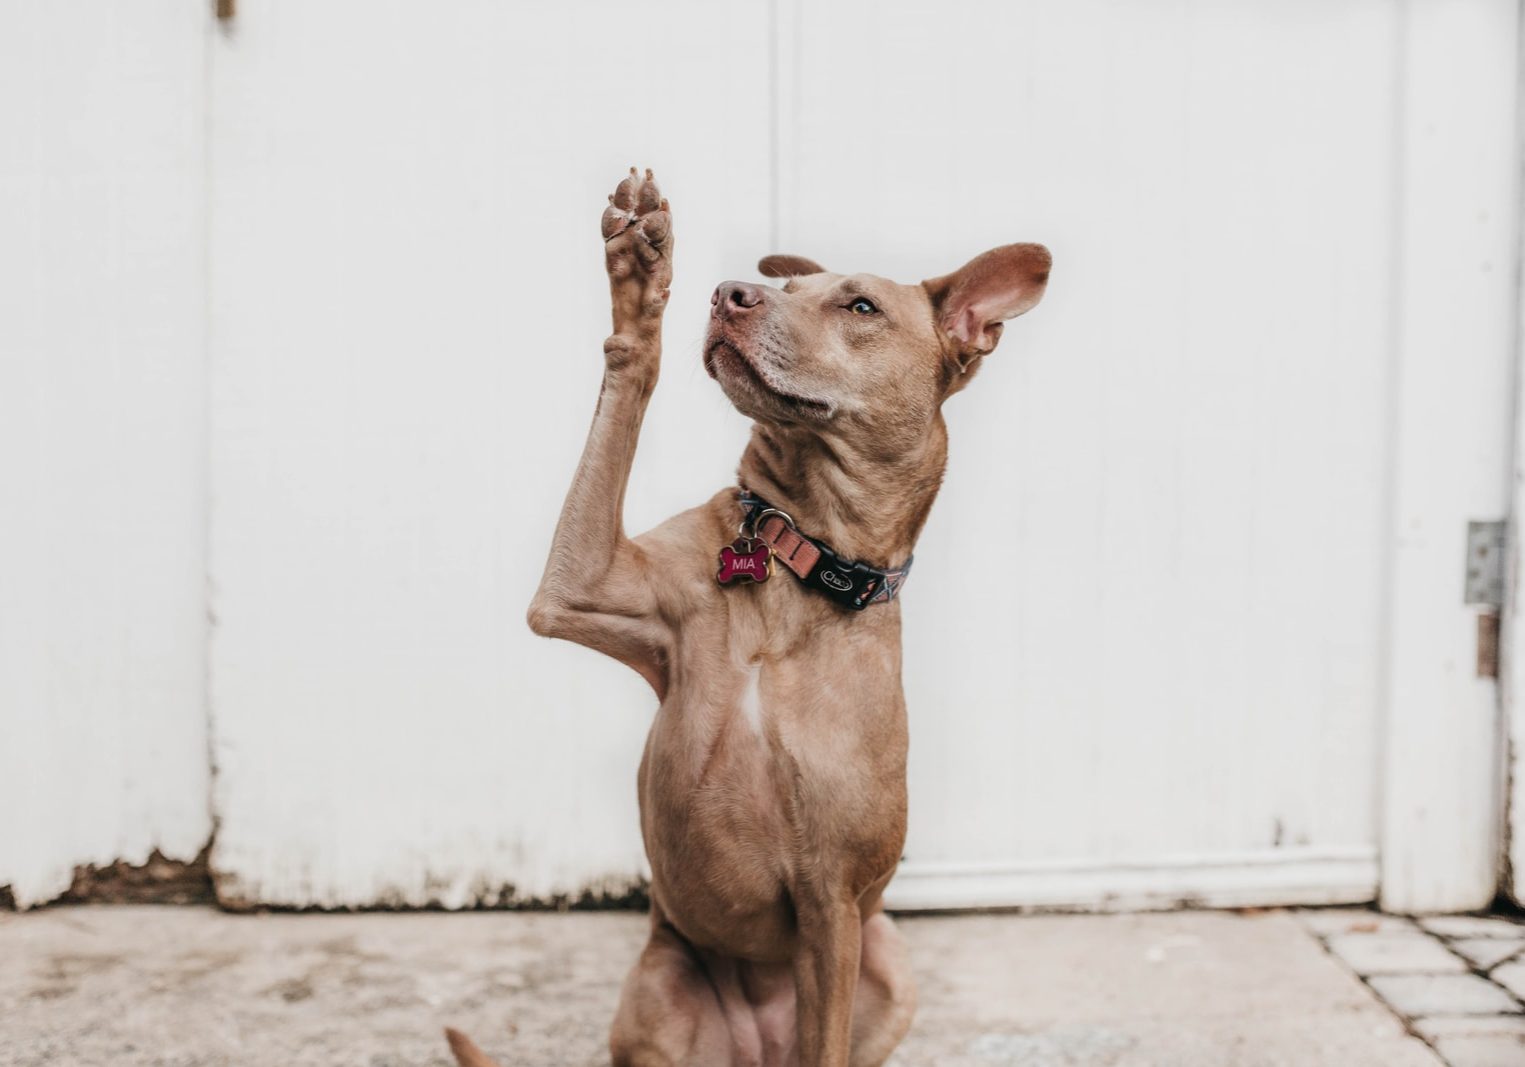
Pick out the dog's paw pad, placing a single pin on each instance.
(637, 205)
(637, 229)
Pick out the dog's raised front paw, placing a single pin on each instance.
(637, 227)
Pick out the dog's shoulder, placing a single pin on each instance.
(682, 551)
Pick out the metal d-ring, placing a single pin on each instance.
(755, 521)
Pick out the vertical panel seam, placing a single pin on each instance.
(210, 31)
(1392, 446)
(775, 118)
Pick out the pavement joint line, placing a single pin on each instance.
(1517, 956)
(1410, 1023)
(1404, 1020)
(1481, 972)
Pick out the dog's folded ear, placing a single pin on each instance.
(971, 303)
(788, 267)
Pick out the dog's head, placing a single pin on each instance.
(856, 355)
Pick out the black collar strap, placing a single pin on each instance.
(852, 585)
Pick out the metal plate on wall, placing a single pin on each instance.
(1485, 563)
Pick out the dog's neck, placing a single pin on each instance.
(865, 507)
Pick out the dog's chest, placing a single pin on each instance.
(772, 703)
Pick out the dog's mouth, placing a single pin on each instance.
(722, 351)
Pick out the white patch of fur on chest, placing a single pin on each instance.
(751, 697)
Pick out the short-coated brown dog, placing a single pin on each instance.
(772, 789)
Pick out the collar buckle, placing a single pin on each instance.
(753, 519)
(848, 583)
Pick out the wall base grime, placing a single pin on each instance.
(159, 880)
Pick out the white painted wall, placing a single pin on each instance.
(408, 318)
(1230, 459)
(1456, 351)
(103, 747)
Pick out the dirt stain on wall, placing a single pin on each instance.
(159, 880)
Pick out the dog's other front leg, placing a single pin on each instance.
(597, 588)
(826, 976)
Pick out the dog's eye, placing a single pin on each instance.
(861, 306)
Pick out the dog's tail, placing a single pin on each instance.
(466, 1052)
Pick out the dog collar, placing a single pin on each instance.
(773, 535)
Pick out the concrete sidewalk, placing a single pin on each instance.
(183, 987)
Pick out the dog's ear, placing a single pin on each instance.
(971, 303)
(788, 267)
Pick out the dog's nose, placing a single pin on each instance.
(735, 298)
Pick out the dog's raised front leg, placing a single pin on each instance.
(597, 589)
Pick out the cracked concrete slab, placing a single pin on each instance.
(1331, 922)
(1477, 1041)
(193, 987)
(1372, 954)
(1472, 926)
(1512, 977)
(1487, 952)
(1438, 1027)
(1446, 976)
(1418, 995)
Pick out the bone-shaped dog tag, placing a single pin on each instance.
(746, 558)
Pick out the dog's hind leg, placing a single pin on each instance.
(886, 1000)
(670, 1014)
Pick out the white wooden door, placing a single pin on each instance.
(1221, 475)
(408, 318)
(103, 741)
